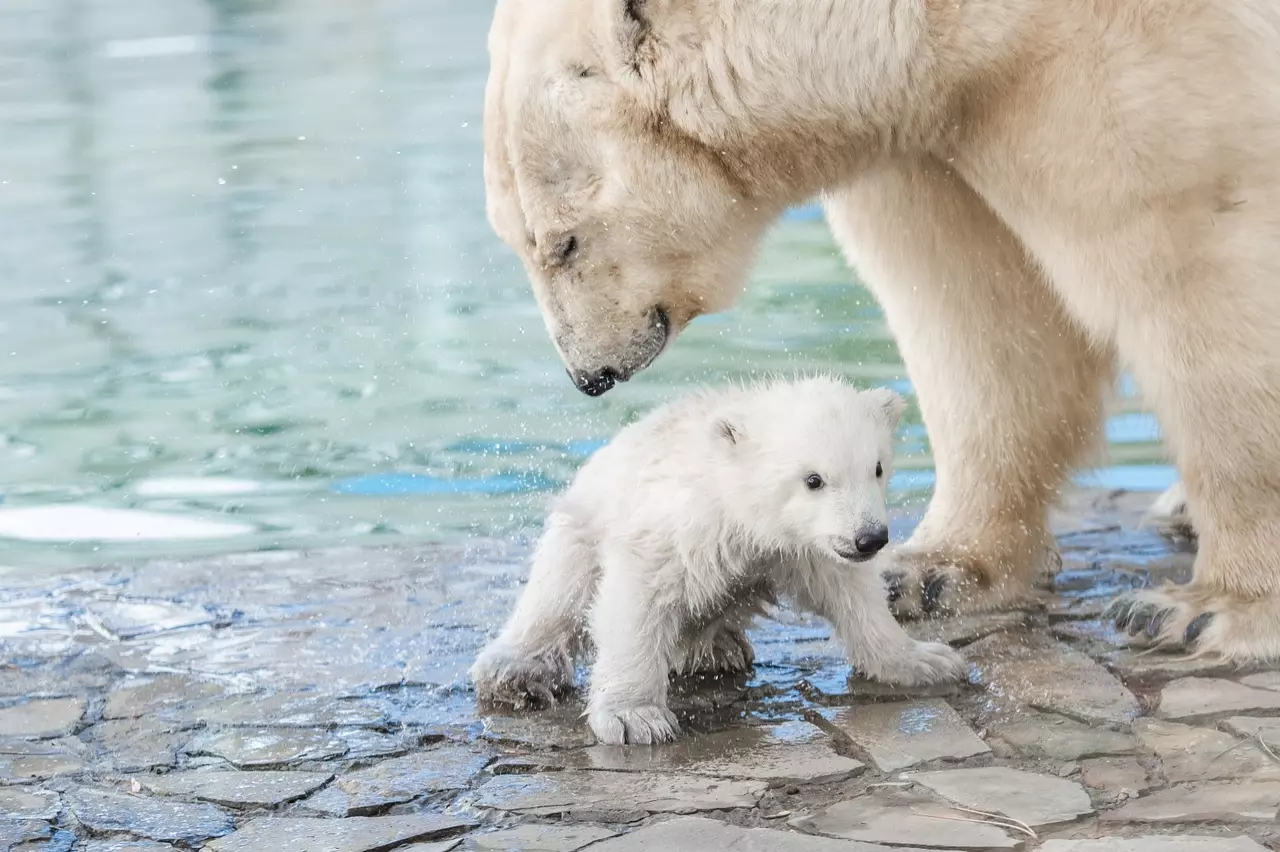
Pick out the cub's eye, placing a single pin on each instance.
(813, 482)
(879, 470)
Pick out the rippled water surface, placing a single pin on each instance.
(249, 298)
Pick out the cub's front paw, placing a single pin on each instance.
(644, 725)
(926, 663)
(507, 678)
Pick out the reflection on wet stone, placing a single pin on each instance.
(261, 789)
(162, 696)
(1194, 699)
(790, 753)
(1249, 801)
(906, 734)
(104, 812)
(269, 748)
(133, 745)
(1039, 735)
(903, 820)
(562, 792)
(1037, 800)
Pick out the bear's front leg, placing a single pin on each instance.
(1009, 388)
(636, 630)
(852, 598)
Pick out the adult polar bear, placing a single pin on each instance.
(1033, 189)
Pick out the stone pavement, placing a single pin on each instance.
(316, 702)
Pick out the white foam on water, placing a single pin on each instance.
(137, 48)
(90, 523)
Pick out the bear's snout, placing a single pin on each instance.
(866, 543)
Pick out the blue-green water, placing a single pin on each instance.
(246, 280)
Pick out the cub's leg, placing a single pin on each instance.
(852, 598)
(530, 663)
(636, 625)
(1009, 388)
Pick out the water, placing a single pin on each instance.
(246, 281)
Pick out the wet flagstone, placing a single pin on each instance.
(319, 701)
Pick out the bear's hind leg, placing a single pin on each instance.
(1010, 389)
(530, 663)
(1202, 334)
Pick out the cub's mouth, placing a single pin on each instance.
(642, 352)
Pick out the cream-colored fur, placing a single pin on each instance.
(1035, 190)
(676, 535)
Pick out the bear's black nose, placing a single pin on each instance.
(594, 384)
(872, 539)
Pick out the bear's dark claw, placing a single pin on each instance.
(1196, 627)
(1140, 619)
(933, 588)
(893, 586)
(1122, 613)
(1157, 623)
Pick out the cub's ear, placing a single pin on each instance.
(726, 430)
(891, 403)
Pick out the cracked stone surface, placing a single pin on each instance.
(41, 718)
(356, 834)
(795, 752)
(1189, 753)
(1220, 801)
(1040, 672)
(694, 834)
(263, 789)
(562, 792)
(1195, 699)
(103, 811)
(400, 779)
(902, 820)
(318, 701)
(1058, 738)
(1158, 843)
(538, 838)
(1036, 800)
(900, 735)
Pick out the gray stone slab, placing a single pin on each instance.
(1044, 736)
(562, 792)
(127, 619)
(121, 846)
(1194, 699)
(137, 745)
(104, 812)
(1043, 673)
(697, 834)
(1034, 799)
(1248, 801)
(1189, 753)
(538, 838)
(561, 728)
(356, 834)
(263, 789)
(437, 846)
(789, 753)
(963, 629)
(366, 791)
(1263, 680)
(39, 760)
(269, 748)
(161, 696)
(1122, 777)
(1254, 726)
(901, 735)
(42, 718)
(1150, 666)
(1155, 843)
(291, 710)
(15, 832)
(903, 821)
(22, 803)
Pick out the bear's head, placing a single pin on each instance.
(637, 150)
(809, 464)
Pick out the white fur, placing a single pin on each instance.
(1036, 191)
(674, 536)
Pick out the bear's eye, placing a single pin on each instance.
(564, 250)
(879, 470)
(813, 482)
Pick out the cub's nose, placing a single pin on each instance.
(872, 539)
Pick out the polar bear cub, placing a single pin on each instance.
(673, 537)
